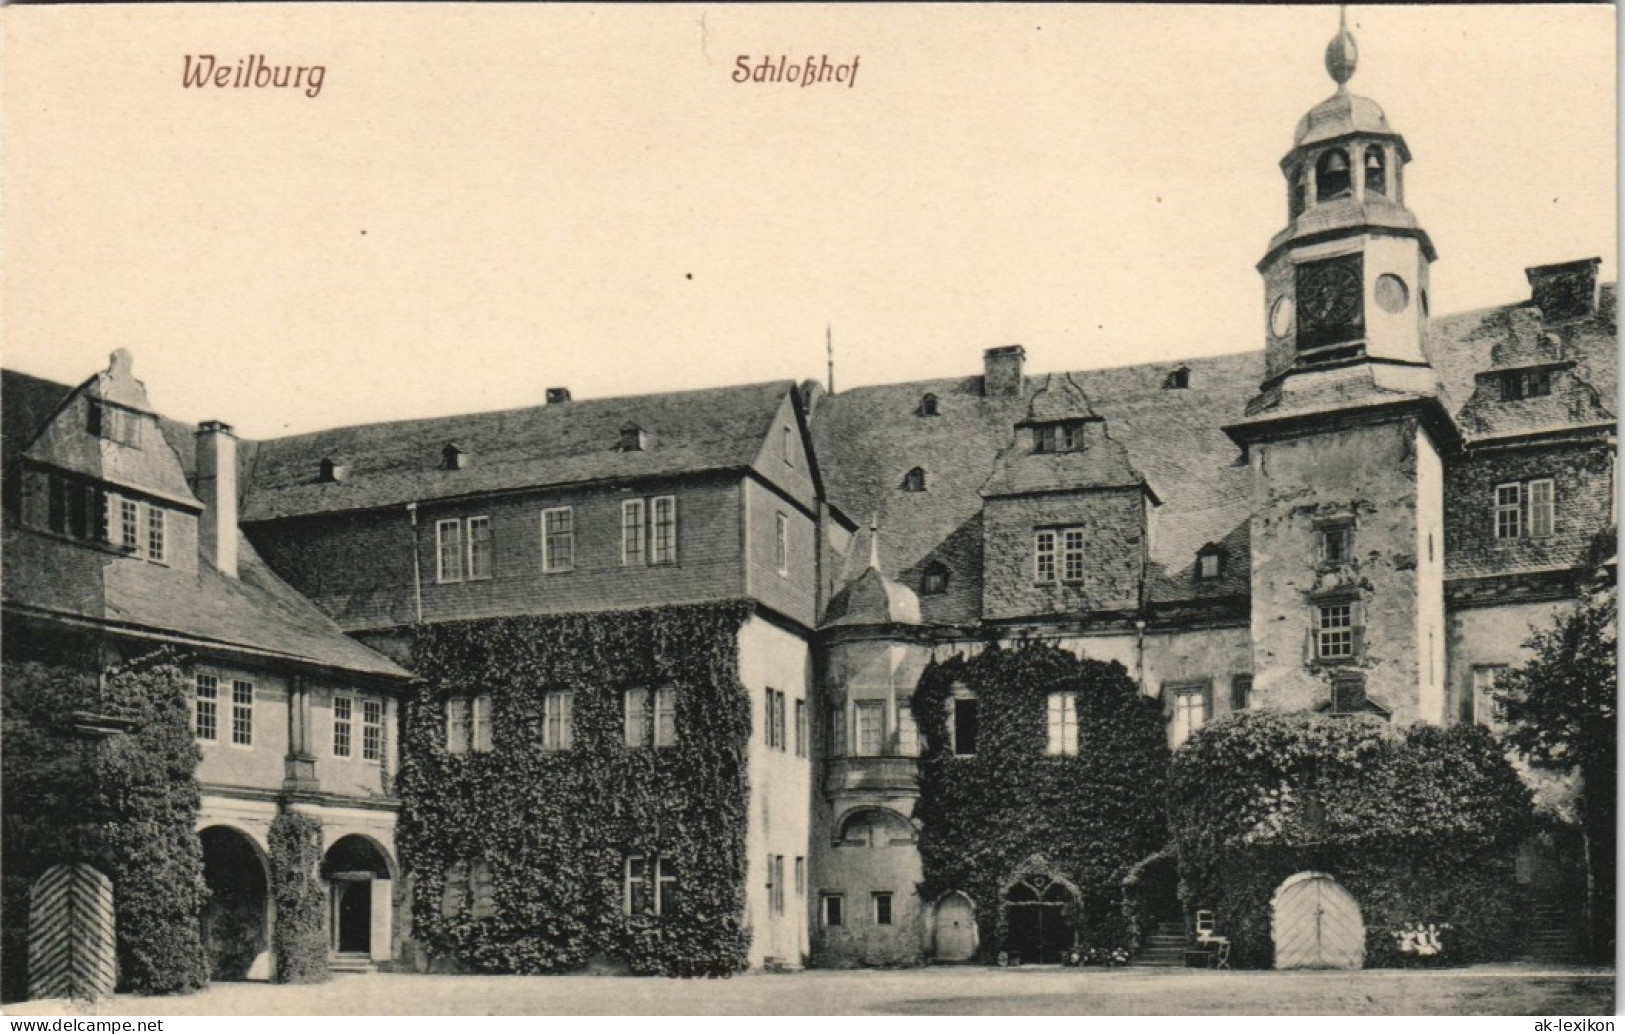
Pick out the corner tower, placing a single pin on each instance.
(1346, 432)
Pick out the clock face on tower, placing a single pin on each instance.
(1330, 302)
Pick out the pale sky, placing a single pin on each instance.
(487, 201)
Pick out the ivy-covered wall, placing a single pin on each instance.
(301, 939)
(125, 803)
(1419, 824)
(1090, 816)
(554, 828)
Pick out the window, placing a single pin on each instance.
(1057, 437)
(789, 447)
(76, 509)
(155, 534)
(1072, 555)
(775, 883)
(837, 731)
(663, 548)
(207, 711)
(962, 724)
(1063, 724)
(908, 734)
(1488, 710)
(468, 724)
(831, 908)
(1044, 557)
(781, 545)
(914, 480)
(934, 582)
(631, 438)
(558, 714)
(453, 458)
(1241, 692)
(1541, 509)
(372, 729)
(1508, 511)
(632, 532)
(882, 907)
(468, 885)
(459, 725)
(773, 719)
(242, 713)
(129, 524)
(666, 716)
(801, 877)
(558, 539)
(801, 728)
(651, 886)
(871, 727)
(1522, 384)
(1336, 544)
(480, 712)
(1189, 705)
(115, 423)
(928, 405)
(635, 719)
(1335, 631)
(448, 536)
(479, 547)
(343, 712)
(1208, 565)
(1178, 379)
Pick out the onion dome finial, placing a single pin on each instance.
(1342, 54)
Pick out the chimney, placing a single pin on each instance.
(557, 395)
(217, 489)
(1001, 371)
(1564, 291)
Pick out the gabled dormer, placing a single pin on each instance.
(1065, 515)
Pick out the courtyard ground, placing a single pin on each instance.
(1483, 990)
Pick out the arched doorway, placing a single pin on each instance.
(1316, 924)
(1039, 912)
(237, 922)
(954, 935)
(361, 919)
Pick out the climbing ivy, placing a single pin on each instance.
(124, 802)
(1418, 824)
(1089, 817)
(300, 940)
(554, 828)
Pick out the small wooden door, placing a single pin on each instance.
(1316, 925)
(955, 929)
(71, 943)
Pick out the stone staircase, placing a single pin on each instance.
(1552, 935)
(351, 962)
(1163, 948)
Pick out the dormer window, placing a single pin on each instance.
(1179, 377)
(1332, 180)
(934, 581)
(332, 471)
(928, 405)
(453, 458)
(914, 480)
(1057, 437)
(1523, 384)
(1376, 172)
(115, 423)
(631, 438)
(1209, 562)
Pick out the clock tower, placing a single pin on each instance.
(1346, 433)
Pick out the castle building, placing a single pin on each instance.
(1367, 515)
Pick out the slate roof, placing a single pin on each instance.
(563, 443)
(868, 437)
(256, 611)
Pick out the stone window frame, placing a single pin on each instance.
(884, 913)
(1329, 530)
(1327, 628)
(1241, 691)
(831, 910)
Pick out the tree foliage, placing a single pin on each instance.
(555, 827)
(1089, 817)
(1419, 824)
(125, 803)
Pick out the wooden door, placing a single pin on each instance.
(1316, 925)
(71, 944)
(955, 929)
